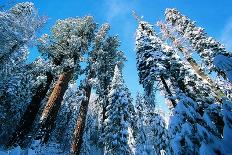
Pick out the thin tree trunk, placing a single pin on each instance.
(28, 118)
(168, 90)
(192, 62)
(53, 105)
(80, 124)
(103, 117)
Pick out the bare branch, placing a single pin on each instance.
(134, 14)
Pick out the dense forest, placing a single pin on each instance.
(73, 98)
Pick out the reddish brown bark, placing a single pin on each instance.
(80, 125)
(28, 118)
(53, 105)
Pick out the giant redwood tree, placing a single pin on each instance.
(66, 45)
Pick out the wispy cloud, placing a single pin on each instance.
(226, 36)
(117, 8)
(118, 13)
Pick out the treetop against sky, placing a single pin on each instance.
(215, 16)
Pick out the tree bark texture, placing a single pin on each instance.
(81, 120)
(80, 125)
(52, 107)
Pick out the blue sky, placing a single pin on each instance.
(214, 15)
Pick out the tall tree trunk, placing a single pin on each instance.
(28, 118)
(192, 62)
(80, 124)
(52, 107)
(167, 90)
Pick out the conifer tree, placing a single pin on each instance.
(69, 41)
(182, 81)
(105, 57)
(18, 27)
(164, 66)
(92, 132)
(183, 78)
(116, 124)
(17, 100)
(97, 76)
(140, 134)
(187, 55)
(66, 118)
(189, 132)
(87, 85)
(148, 60)
(26, 122)
(227, 118)
(151, 134)
(212, 52)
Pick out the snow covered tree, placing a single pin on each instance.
(189, 132)
(140, 135)
(212, 52)
(87, 85)
(151, 133)
(227, 130)
(159, 132)
(107, 60)
(157, 61)
(116, 124)
(16, 101)
(211, 124)
(183, 79)
(184, 84)
(101, 59)
(104, 57)
(69, 41)
(28, 117)
(187, 53)
(18, 27)
(149, 60)
(92, 131)
(66, 119)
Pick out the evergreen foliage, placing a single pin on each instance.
(116, 131)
